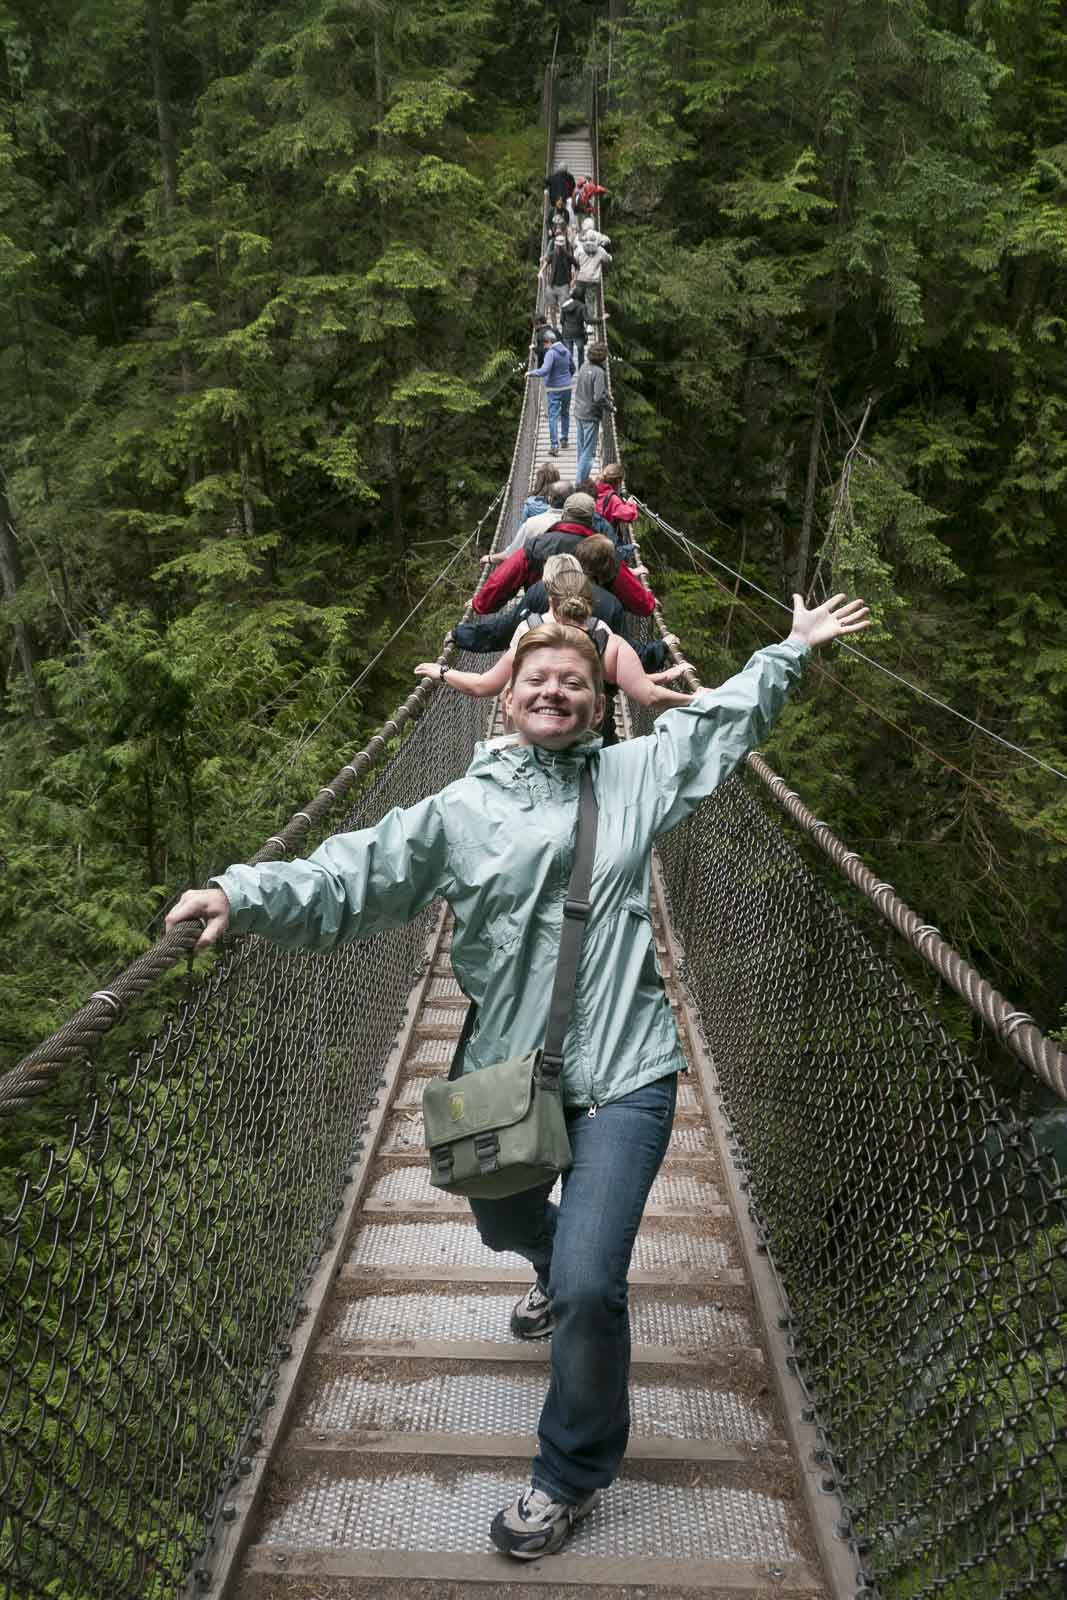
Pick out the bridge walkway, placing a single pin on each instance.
(574, 150)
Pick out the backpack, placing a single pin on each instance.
(537, 619)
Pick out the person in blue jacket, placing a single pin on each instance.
(498, 846)
(535, 504)
(557, 370)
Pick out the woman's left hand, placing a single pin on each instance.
(837, 616)
(427, 669)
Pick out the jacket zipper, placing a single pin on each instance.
(593, 1109)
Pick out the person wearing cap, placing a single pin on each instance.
(524, 565)
(558, 374)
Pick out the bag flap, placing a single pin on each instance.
(493, 1097)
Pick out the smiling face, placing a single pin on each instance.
(552, 701)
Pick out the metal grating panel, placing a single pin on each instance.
(404, 1134)
(691, 1141)
(696, 1326)
(411, 1186)
(636, 1518)
(411, 1091)
(503, 1401)
(432, 1053)
(485, 1316)
(455, 1243)
(685, 1139)
(441, 988)
(440, 1016)
(437, 1244)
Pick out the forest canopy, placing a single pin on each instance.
(265, 281)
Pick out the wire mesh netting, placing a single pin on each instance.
(917, 1230)
(154, 1267)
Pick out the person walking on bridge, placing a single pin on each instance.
(557, 274)
(592, 402)
(497, 844)
(558, 373)
(572, 328)
(524, 565)
(570, 599)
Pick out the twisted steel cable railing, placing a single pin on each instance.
(155, 1263)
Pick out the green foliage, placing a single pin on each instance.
(261, 292)
(838, 299)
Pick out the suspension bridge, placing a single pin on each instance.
(249, 1352)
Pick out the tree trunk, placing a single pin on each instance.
(11, 579)
(803, 550)
(168, 164)
(379, 86)
(168, 149)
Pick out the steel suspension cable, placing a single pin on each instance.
(690, 545)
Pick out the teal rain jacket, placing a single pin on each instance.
(498, 845)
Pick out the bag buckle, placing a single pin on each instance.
(549, 1067)
(577, 908)
(487, 1150)
(442, 1159)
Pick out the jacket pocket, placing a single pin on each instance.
(650, 970)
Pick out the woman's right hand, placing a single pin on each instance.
(209, 906)
(428, 669)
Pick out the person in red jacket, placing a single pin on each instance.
(584, 196)
(612, 501)
(523, 566)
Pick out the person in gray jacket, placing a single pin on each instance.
(557, 370)
(590, 260)
(497, 846)
(592, 403)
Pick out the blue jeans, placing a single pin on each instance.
(559, 416)
(577, 350)
(587, 436)
(581, 1251)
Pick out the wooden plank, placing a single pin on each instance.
(309, 1449)
(427, 1273)
(414, 1211)
(741, 1578)
(527, 1350)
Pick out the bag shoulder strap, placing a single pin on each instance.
(576, 910)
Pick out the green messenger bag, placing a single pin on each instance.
(501, 1129)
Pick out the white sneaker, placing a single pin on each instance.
(532, 1316)
(535, 1525)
